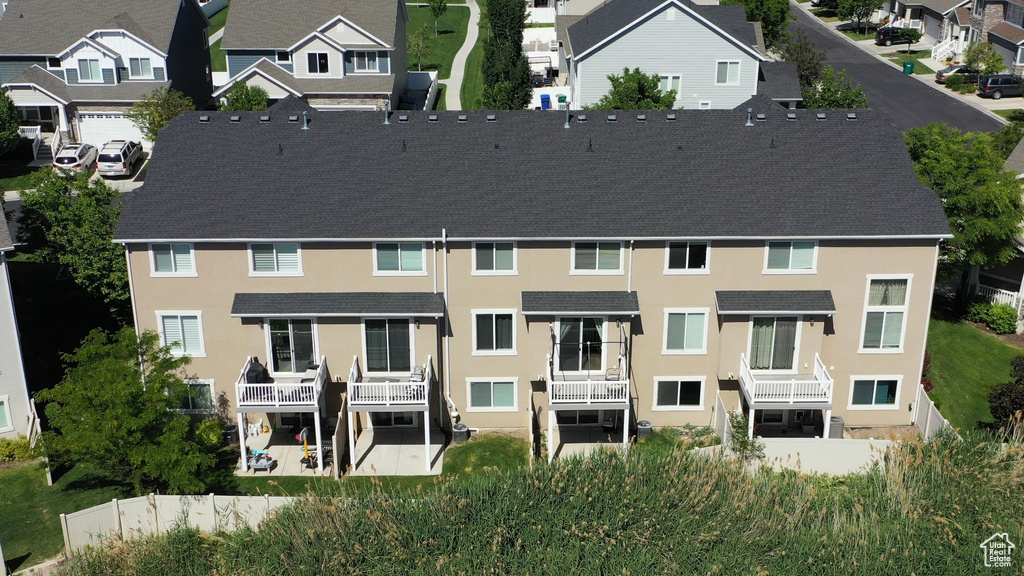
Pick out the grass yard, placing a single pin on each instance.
(473, 81)
(30, 522)
(1012, 115)
(857, 35)
(914, 56)
(966, 364)
(15, 174)
(218, 62)
(825, 14)
(441, 104)
(451, 28)
(217, 21)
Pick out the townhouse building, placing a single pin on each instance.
(16, 410)
(644, 266)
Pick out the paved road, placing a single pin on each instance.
(907, 102)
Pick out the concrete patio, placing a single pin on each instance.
(571, 442)
(282, 447)
(397, 453)
(823, 456)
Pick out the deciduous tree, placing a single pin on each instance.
(857, 10)
(911, 36)
(984, 57)
(437, 9)
(9, 124)
(834, 91)
(418, 45)
(156, 109)
(243, 97)
(809, 61)
(634, 90)
(507, 77)
(773, 15)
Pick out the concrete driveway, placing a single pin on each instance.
(906, 101)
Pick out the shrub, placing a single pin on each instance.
(1002, 319)
(968, 88)
(978, 311)
(15, 450)
(926, 368)
(955, 81)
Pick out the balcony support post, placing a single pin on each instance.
(750, 423)
(319, 443)
(351, 442)
(426, 439)
(828, 423)
(625, 426)
(242, 434)
(551, 433)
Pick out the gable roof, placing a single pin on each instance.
(704, 174)
(350, 84)
(963, 16)
(610, 18)
(279, 24)
(46, 27)
(123, 92)
(940, 6)
(779, 81)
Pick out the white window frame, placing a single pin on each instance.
(677, 408)
(814, 259)
(287, 273)
(515, 330)
(596, 272)
(317, 72)
(412, 345)
(796, 342)
(739, 71)
(160, 314)
(140, 75)
(423, 260)
(604, 345)
(50, 66)
(174, 274)
(491, 381)
(905, 309)
(270, 344)
(875, 378)
(669, 78)
(288, 60)
(688, 271)
(366, 70)
(665, 351)
(515, 260)
(5, 405)
(98, 68)
(213, 396)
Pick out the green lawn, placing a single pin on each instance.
(30, 522)
(825, 14)
(218, 62)
(451, 28)
(966, 364)
(441, 104)
(17, 175)
(473, 80)
(857, 35)
(217, 21)
(913, 56)
(1012, 115)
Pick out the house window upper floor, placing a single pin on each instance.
(727, 72)
(140, 68)
(399, 259)
(596, 258)
(790, 257)
(318, 63)
(687, 257)
(89, 70)
(275, 259)
(494, 258)
(172, 260)
(885, 313)
(365, 62)
(494, 332)
(685, 331)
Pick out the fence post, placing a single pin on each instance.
(67, 538)
(156, 516)
(213, 514)
(117, 519)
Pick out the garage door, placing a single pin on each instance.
(932, 27)
(98, 128)
(1007, 55)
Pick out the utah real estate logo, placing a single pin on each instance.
(997, 550)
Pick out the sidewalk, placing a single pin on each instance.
(453, 85)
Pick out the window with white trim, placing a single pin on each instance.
(277, 259)
(389, 345)
(494, 257)
(494, 332)
(140, 68)
(597, 257)
(365, 61)
(284, 56)
(874, 391)
(685, 331)
(670, 82)
(728, 72)
(199, 399)
(183, 332)
(885, 314)
(89, 71)
(317, 63)
(687, 257)
(790, 257)
(487, 395)
(682, 393)
(172, 260)
(6, 422)
(393, 258)
(292, 345)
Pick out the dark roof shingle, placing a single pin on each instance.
(580, 303)
(1008, 31)
(781, 81)
(338, 304)
(775, 301)
(280, 24)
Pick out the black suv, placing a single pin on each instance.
(888, 36)
(998, 85)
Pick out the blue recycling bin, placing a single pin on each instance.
(545, 101)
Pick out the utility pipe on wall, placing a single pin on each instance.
(453, 414)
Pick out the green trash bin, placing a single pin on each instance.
(908, 67)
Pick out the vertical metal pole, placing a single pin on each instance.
(351, 441)
(426, 437)
(319, 443)
(551, 433)
(242, 434)
(828, 423)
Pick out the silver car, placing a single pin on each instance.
(75, 157)
(118, 157)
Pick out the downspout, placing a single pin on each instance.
(135, 310)
(924, 341)
(433, 250)
(453, 414)
(629, 276)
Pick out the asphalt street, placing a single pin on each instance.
(906, 102)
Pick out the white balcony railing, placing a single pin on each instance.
(589, 386)
(998, 295)
(33, 133)
(773, 389)
(389, 390)
(300, 390)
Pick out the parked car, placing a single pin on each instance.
(118, 157)
(76, 157)
(832, 4)
(970, 75)
(889, 35)
(998, 85)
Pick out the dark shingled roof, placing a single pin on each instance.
(780, 81)
(5, 236)
(963, 16)
(1008, 31)
(338, 304)
(612, 16)
(123, 92)
(771, 301)
(703, 174)
(280, 24)
(351, 84)
(580, 302)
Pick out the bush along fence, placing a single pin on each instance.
(928, 418)
(146, 516)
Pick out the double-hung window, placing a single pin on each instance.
(687, 258)
(89, 71)
(172, 260)
(597, 258)
(494, 258)
(6, 422)
(873, 392)
(183, 332)
(728, 72)
(675, 393)
(200, 397)
(278, 259)
(685, 331)
(400, 258)
(140, 68)
(365, 61)
(317, 63)
(790, 257)
(492, 395)
(885, 314)
(494, 332)
(670, 82)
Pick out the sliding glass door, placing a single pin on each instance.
(773, 343)
(291, 345)
(388, 347)
(580, 344)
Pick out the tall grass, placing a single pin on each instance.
(926, 512)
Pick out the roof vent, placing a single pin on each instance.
(749, 117)
(851, 115)
(581, 118)
(293, 118)
(403, 117)
(463, 118)
(820, 115)
(641, 117)
(790, 115)
(612, 118)
(761, 117)
(492, 117)
(670, 117)
(432, 118)
(235, 119)
(265, 118)
(204, 118)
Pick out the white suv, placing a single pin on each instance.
(117, 158)
(76, 157)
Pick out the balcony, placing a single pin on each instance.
(390, 391)
(283, 392)
(787, 390)
(590, 385)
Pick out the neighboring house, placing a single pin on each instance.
(935, 19)
(679, 259)
(15, 408)
(710, 55)
(336, 55)
(1000, 23)
(76, 68)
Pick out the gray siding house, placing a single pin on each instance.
(710, 55)
(77, 76)
(15, 409)
(335, 55)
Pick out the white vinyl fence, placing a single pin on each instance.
(722, 425)
(150, 515)
(929, 420)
